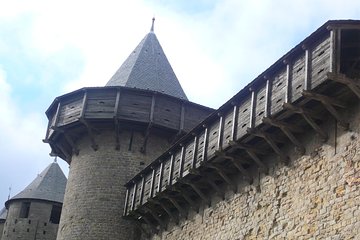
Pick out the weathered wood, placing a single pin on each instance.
(160, 177)
(235, 162)
(181, 164)
(220, 133)
(204, 150)
(156, 217)
(267, 99)
(196, 189)
(224, 176)
(234, 122)
(353, 84)
(152, 184)
(170, 178)
(307, 116)
(166, 209)
(286, 129)
(132, 207)
(126, 202)
(252, 109)
(193, 161)
(83, 108)
(271, 142)
(180, 209)
(94, 145)
(142, 190)
(117, 102)
(328, 104)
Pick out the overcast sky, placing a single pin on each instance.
(48, 48)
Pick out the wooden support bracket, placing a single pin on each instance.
(150, 224)
(117, 133)
(252, 153)
(185, 195)
(307, 116)
(196, 189)
(146, 137)
(267, 137)
(329, 104)
(234, 159)
(353, 84)
(286, 128)
(180, 209)
(71, 142)
(224, 176)
(162, 224)
(166, 209)
(89, 129)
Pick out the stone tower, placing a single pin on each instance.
(3, 214)
(35, 212)
(107, 134)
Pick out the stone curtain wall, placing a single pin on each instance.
(317, 196)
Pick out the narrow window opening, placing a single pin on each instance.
(25, 209)
(55, 214)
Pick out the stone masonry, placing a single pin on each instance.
(315, 197)
(96, 178)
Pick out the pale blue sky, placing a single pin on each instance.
(48, 48)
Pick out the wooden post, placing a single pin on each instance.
(151, 193)
(171, 169)
(267, 98)
(133, 197)
(57, 115)
(288, 81)
(84, 101)
(193, 160)
(160, 176)
(117, 102)
(126, 201)
(181, 164)
(142, 189)
(182, 117)
(220, 132)
(206, 136)
(307, 68)
(335, 47)
(252, 111)
(234, 122)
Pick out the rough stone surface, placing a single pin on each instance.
(94, 196)
(35, 226)
(317, 196)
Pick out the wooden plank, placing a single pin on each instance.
(83, 108)
(151, 193)
(132, 208)
(243, 118)
(117, 102)
(181, 165)
(193, 163)
(204, 150)
(170, 176)
(298, 78)
(278, 91)
(267, 99)
(252, 109)
(288, 82)
(160, 177)
(234, 123)
(220, 133)
(126, 202)
(142, 190)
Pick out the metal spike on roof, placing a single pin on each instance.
(48, 185)
(152, 25)
(148, 68)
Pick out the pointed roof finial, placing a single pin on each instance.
(152, 25)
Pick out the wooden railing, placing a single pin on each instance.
(284, 87)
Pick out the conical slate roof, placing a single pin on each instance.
(148, 68)
(48, 185)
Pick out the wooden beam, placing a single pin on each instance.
(220, 132)
(234, 161)
(117, 103)
(71, 142)
(152, 183)
(196, 189)
(286, 129)
(89, 129)
(328, 104)
(83, 108)
(307, 80)
(305, 114)
(268, 98)
(181, 163)
(161, 171)
(117, 134)
(142, 190)
(288, 81)
(234, 122)
(353, 84)
(194, 156)
(182, 117)
(146, 137)
(252, 110)
(223, 175)
(206, 136)
(150, 224)
(126, 202)
(166, 209)
(180, 209)
(244, 146)
(184, 194)
(155, 216)
(171, 169)
(132, 207)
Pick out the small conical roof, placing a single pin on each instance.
(148, 68)
(3, 214)
(48, 185)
